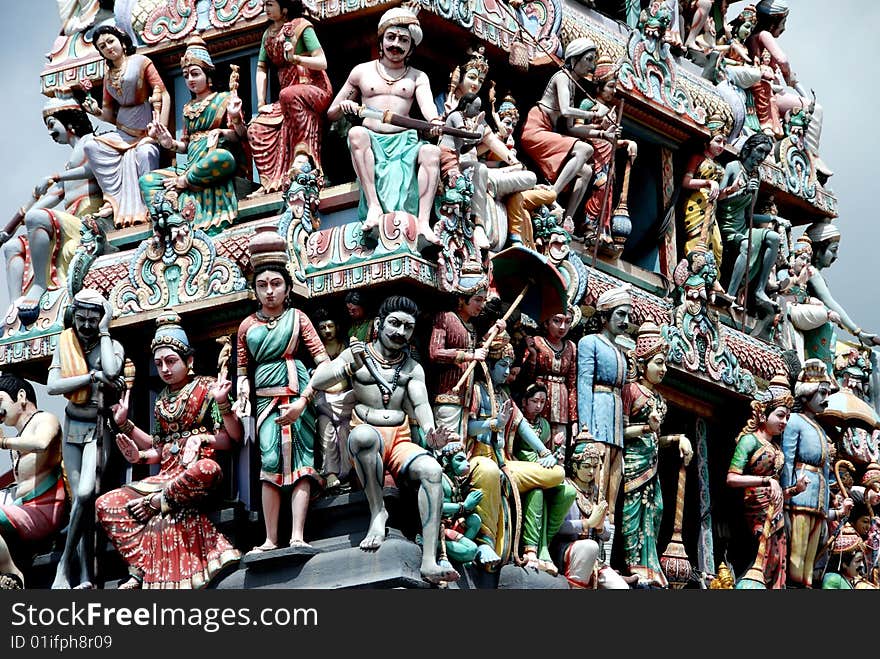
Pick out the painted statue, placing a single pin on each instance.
(704, 29)
(498, 431)
(334, 410)
(269, 367)
(805, 447)
(601, 374)
(846, 563)
(803, 316)
(645, 410)
(533, 406)
(605, 81)
(389, 386)
(756, 468)
(53, 218)
(209, 145)
(85, 369)
(292, 48)
(118, 159)
(396, 169)
(360, 323)
(703, 178)
(452, 347)
(578, 543)
(466, 78)
(460, 524)
(37, 511)
(737, 221)
(564, 158)
(159, 524)
(551, 360)
(820, 342)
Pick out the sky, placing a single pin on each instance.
(833, 51)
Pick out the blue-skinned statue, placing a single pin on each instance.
(498, 433)
(601, 374)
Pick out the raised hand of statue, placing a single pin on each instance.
(128, 448)
(91, 106)
(801, 485)
(242, 404)
(234, 109)
(159, 132)
(504, 413)
(220, 389)
(104, 323)
(847, 506)
(597, 515)
(120, 409)
(437, 438)
(632, 150)
(685, 450)
(472, 500)
(358, 351)
(602, 111)
(753, 185)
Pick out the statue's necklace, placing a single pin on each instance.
(386, 388)
(388, 79)
(271, 321)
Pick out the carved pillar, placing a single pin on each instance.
(705, 548)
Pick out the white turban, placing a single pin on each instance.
(578, 47)
(401, 17)
(614, 297)
(822, 230)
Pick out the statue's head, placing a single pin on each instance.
(355, 306)
(472, 303)
(558, 325)
(580, 56)
(111, 42)
(271, 278)
(499, 358)
(755, 150)
(718, 132)
(772, 15)
(285, 10)
(651, 353)
(614, 307)
(743, 25)
(472, 73)
(826, 242)
(172, 352)
(396, 322)
(534, 399)
(325, 324)
(197, 66)
(399, 34)
(813, 387)
(772, 408)
(508, 113)
(848, 553)
(16, 397)
(87, 310)
(304, 191)
(64, 116)
(454, 460)
(605, 77)
(586, 461)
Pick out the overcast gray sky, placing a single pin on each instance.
(833, 48)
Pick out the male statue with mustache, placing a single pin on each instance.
(86, 369)
(805, 447)
(385, 156)
(390, 393)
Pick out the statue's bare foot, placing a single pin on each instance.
(29, 306)
(62, 582)
(428, 235)
(486, 556)
(376, 532)
(374, 215)
(438, 572)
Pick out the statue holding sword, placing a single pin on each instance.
(396, 169)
